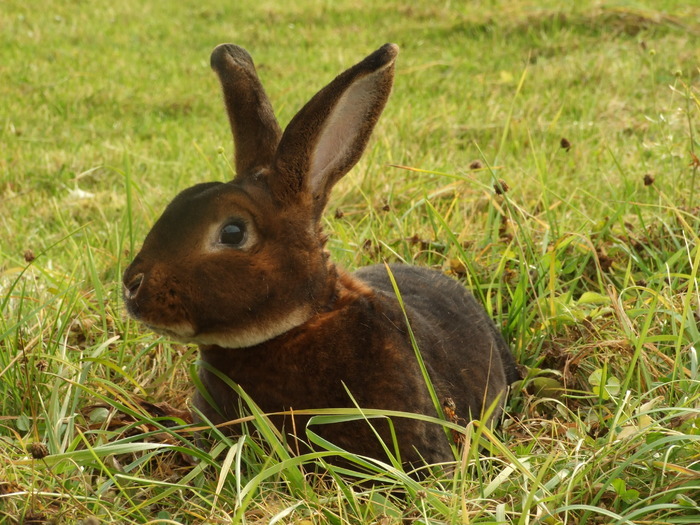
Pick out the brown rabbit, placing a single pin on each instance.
(240, 269)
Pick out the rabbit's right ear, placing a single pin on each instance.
(256, 132)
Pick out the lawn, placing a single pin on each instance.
(544, 153)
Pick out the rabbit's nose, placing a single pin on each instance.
(131, 289)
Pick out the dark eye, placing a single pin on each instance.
(233, 234)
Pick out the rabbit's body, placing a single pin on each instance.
(360, 346)
(240, 269)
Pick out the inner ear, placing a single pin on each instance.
(328, 135)
(343, 137)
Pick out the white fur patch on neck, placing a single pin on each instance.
(340, 131)
(253, 335)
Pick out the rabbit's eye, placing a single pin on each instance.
(233, 234)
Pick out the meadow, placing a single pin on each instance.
(544, 153)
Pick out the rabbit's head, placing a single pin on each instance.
(235, 264)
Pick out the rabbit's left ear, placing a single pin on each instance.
(327, 137)
(256, 133)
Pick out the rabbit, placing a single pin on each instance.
(240, 268)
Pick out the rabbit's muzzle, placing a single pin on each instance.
(156, 299)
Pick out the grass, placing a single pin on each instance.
(589, 262)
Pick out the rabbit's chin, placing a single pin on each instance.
(242, 338)
(182, 333)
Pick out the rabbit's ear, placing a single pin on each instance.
(256, 132)
(327, 137)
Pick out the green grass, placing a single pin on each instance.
(107, 110)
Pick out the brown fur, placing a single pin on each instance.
(274, 315)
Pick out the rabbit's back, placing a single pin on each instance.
(468, 359)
